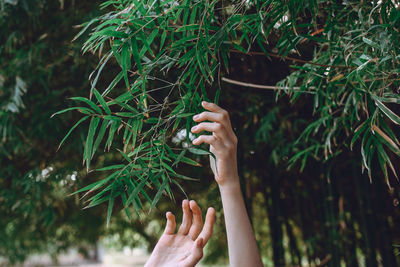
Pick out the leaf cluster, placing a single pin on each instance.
(173, 53)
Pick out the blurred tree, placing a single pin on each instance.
(39, 68)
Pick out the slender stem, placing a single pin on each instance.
(266, 87)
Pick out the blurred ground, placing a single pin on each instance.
(128, 257)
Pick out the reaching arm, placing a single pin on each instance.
(242, 246)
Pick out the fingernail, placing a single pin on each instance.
(194, 128)
(204, 103)
(195, 117)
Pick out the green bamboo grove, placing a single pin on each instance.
(184, 48)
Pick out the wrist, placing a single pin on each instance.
(230, 184)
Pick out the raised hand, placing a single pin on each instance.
(185, 248)
(222, 141)
(242, 244)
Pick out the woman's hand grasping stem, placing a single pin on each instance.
(222, 141)
(242, 244)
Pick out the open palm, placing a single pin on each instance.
(185, 248)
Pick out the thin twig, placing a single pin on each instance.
(266, 87)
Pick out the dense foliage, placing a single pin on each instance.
(183, 48)
(315, 106)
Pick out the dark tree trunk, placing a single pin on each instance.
(272, 200)
(367, 227)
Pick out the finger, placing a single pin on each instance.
(195, 254)
(187, 218)
(209, 116)
(212, 107)
(208, 139)
(208, 226)
(170, 227)
(217, 128)
(197, 221)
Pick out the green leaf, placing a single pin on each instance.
(167, 167)
(70, 131)
(177, 175)
(179, 157)
(135, 192)
(184, 115)
(198, 151)
(135, 53)
(370, 43)
(159, 192)
(89, 141)
(190, 161)
(112, 167)
(113, 128)
(124, 199)
(90, 103)
(97, 201)
(110, 207)
(101, 101)
(390, 114)
(80, 109)
(357, 133)
(163, 37)
(125, 63)
(113, 83)
(96, 184)
(100, 136)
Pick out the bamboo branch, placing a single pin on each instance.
(265, 87)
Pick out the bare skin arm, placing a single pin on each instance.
(242, 246)
(185, 248)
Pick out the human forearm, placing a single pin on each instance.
(242, 246)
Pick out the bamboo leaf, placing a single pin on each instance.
(159, 192)
(100, 136)
(89, 141)
(190, 161)
(125, 63)
(112, 167)
(70, 131)
(101, 101)
(124, 199)
(113, 128)
(135, 52)
(90, 103)
(80, 109)
(390, 114)
(96, 184)
(134, 194)
(110, 207)
(198, 151)
(385, 137)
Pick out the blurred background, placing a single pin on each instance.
(327, 214)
